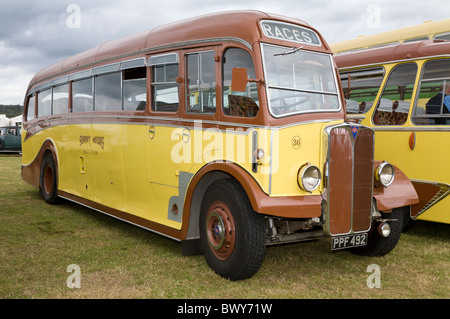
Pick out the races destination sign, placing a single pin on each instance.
(289, 32)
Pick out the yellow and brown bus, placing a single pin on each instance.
(225, 132)
(402, 92)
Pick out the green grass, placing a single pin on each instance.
(118, 260)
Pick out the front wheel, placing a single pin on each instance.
(378, 245)
(232, 234)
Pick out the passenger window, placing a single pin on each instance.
(393, 107)
(361, 88)
(45, 103)
(31, 105)
(433, 103)
(243, 104)
(82, 99)
(201, 83)
(164, 94)
(135, 89)
(61, 99)
(443, 36)
(107, 92)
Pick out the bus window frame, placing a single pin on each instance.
(335, 77)
(390, 67)
(222, 87)
(369, 70)
(32, 96)
(150, 83)
(68, 97)
(423, 63)
(182, 113)
(217, 84)
(42, 90)
(102, 76)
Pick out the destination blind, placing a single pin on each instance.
(289, 32)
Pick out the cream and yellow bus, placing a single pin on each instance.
(430, 30)
(225, 132)
(403, 93)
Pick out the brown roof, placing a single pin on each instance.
(238, 24)
(404, 51)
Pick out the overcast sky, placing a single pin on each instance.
(37, 33)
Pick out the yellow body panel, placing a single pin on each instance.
(428, 161)
(437, 213)
(145, 169)
(294, 147)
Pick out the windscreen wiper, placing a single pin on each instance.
(294, 49)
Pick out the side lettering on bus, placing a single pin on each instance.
(289, 32)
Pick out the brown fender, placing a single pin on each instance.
(400, 193)
(283, 206)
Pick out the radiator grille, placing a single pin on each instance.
(350, 178)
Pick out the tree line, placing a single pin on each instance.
(11, 110)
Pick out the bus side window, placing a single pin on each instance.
(164, 89)
(201, 83)
(243, 104)
(394, 104)
(31, 106)
(45, 103)
(135, 89)
(61, 99)
(107, 92)
(361, 88)
(433, 103)
(82, 98)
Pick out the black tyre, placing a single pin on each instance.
(47, 183)
(232, 234)
(408, 222)
(378, 245)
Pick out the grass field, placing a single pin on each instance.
(118, 260)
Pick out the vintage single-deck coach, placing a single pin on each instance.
(226, 132)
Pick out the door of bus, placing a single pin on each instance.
(179, 102)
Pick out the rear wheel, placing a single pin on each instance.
(232, 234)
(47, 183)
(378, 245)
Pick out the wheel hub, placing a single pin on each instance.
(220, 230)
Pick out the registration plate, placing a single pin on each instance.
(348, 241)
